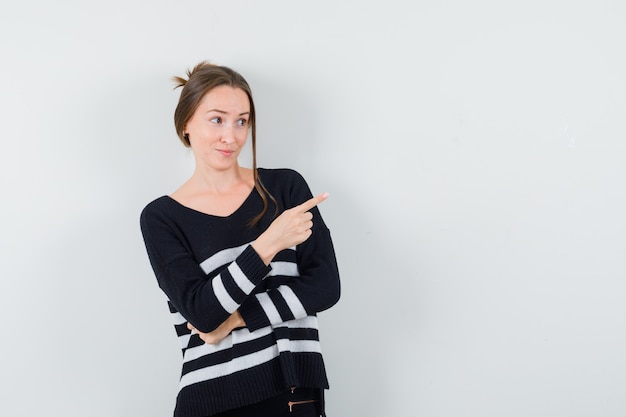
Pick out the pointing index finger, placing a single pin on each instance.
(309, 204)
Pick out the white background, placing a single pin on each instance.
(474, 151)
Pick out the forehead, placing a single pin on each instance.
(227, 99)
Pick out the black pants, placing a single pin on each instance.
(289, 404)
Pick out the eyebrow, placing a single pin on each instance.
(224, 112)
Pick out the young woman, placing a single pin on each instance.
(245, 261)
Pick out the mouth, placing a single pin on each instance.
(225, 152)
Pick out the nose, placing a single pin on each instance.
(228, 135)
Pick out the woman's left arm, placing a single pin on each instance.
(234, 321)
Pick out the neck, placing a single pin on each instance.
(210, 180)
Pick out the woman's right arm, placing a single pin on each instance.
(289, 229)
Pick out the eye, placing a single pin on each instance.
(242, 122)
(216, 120)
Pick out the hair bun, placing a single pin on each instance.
(181, 82)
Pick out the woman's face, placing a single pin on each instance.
(219, 127)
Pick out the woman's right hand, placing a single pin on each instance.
(291, 228)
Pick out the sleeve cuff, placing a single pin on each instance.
(252, 265)
(253, 314)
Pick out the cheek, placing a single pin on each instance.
(244, 137)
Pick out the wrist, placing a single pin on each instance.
(237, 320)
(264, 249)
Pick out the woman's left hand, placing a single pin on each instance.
(232, 322)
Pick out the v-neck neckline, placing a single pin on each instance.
(216, 216)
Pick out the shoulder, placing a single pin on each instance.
(280, 176)
(157, 208)
(286, 185)
(157, 205)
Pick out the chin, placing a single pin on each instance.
(224, 166)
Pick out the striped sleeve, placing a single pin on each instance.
(313, 289)
(276, 305)
(272, 307)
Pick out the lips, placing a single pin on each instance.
(226, 152)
